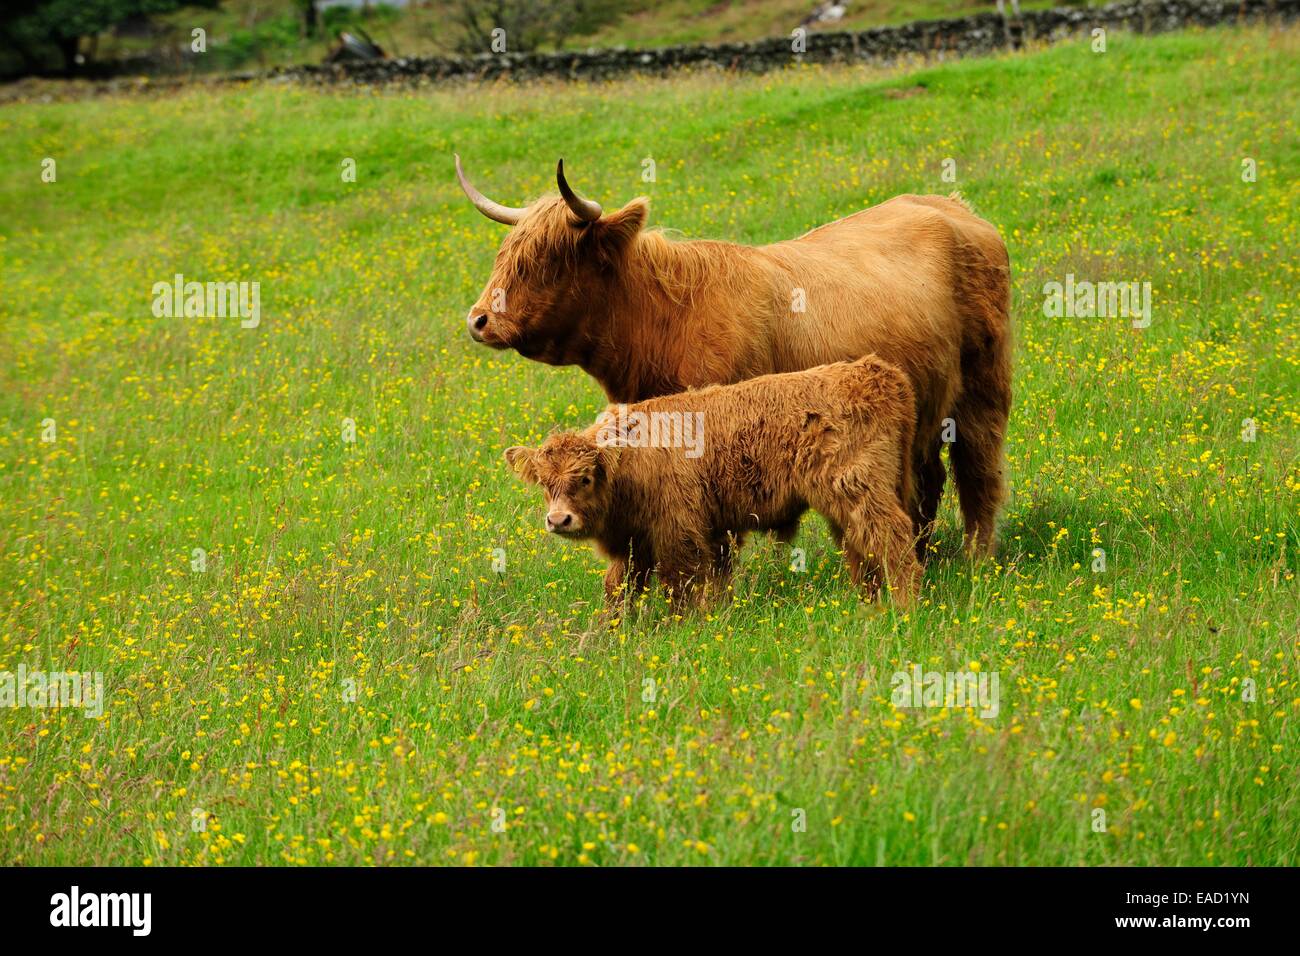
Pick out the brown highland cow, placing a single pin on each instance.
(837, 439)
(920, 281)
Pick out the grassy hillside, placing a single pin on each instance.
(482, 698)
(702, 21)
(248, 33)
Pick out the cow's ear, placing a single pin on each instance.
(523, 461)
(616, 231)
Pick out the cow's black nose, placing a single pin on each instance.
(476, 324)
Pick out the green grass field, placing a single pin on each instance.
(497, 718)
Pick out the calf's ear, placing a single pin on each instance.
(609, 455)
(523, 461)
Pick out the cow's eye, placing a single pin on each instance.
(586, 479)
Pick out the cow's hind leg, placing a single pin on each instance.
(977, 468)
(984, 403)
(977, 453)
(930, 479)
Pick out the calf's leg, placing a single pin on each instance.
(627, 576)
(686, 570)
(878, 540)
(878, 544)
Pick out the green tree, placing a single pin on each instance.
(310, 16)
(531, 24)
(38, 34)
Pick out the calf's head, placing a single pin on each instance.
(554, 273)
(576, 476)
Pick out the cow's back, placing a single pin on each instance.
(886, 280)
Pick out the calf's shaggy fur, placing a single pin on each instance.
(835, 438)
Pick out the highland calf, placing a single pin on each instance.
(836, 438)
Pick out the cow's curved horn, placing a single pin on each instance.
(584, 209)
(508, 215)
